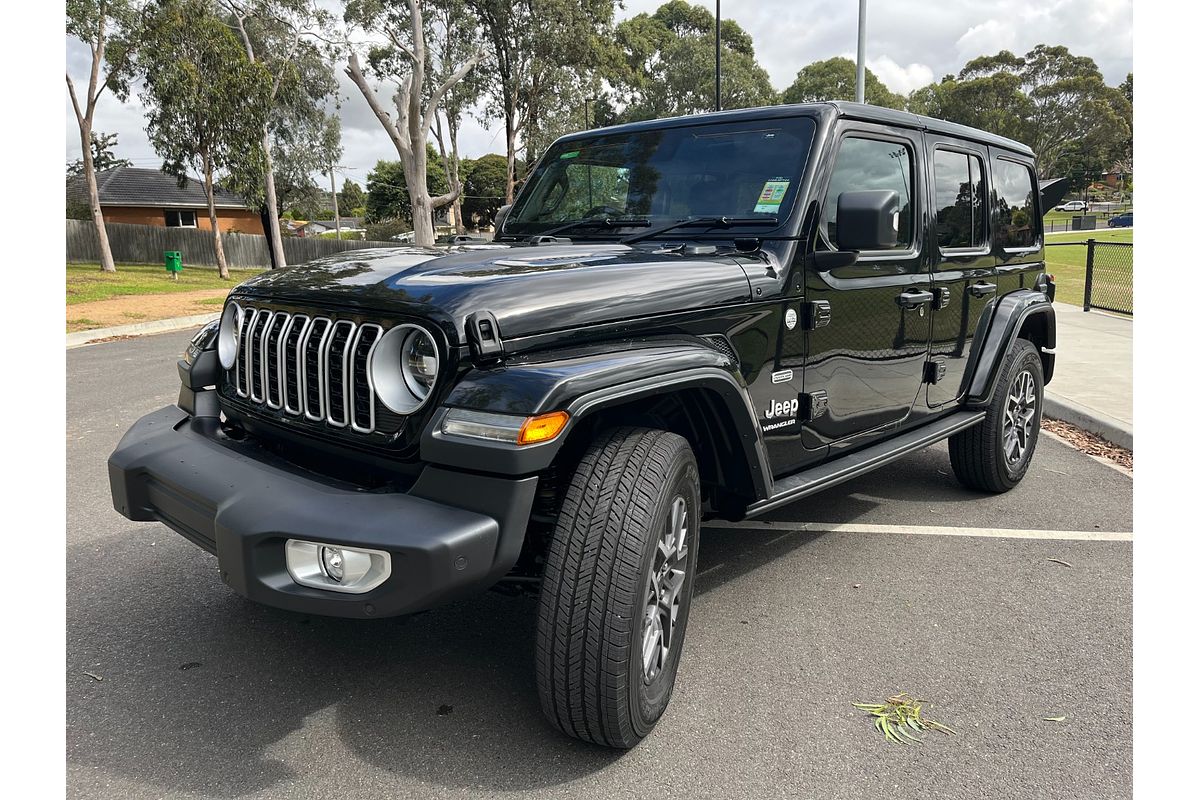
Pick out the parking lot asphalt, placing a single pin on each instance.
(902, 583)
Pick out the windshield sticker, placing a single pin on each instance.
(771, 196)
(572, 154)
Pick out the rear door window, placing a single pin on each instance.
(958, 185)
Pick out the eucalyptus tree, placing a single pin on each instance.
(669, 63)
(205, 100)
(534, 47)
(834, 79)
(456, 37)
(292, 40)
(108, 28)
(399, 52)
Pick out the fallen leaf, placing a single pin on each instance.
(1053, 719)
(1060, 561)
(94, 676)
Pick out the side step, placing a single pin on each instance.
(843, 468)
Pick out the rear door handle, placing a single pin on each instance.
(912, 299)
(981, 289)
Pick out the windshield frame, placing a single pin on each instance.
(799, 174)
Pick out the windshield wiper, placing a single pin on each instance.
(711, 222)
(603, 222)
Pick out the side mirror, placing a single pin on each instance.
(501, 215)
(868, 220)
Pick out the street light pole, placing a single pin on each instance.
(860, 81)
(718, 55)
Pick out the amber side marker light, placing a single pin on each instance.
(542, 428)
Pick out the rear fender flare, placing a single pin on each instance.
(1001, 328)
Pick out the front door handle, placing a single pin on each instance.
(981, 289)
(912, 299)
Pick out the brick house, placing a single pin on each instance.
(151, 197)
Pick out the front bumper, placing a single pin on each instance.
(450, 535)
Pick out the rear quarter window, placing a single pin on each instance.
(1016, 211)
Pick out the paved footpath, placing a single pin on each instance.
(1093, 373)
(1000, 610)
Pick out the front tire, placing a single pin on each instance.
(994, 455)
(617, 587)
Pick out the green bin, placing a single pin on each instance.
(173, 260)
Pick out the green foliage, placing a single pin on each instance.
(387, 191)
(205, 101)
(835, 79)
(114, 24)
(899, 717)
(483, 189)
(1053, 101)
(103, 157)
(384, 230)
(351, 198)
(668, 64)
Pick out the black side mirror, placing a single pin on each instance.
(501, 215)
(868, 220)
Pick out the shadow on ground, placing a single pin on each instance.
(447, 697)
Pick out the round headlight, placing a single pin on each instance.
(227, 339)
(404, 368)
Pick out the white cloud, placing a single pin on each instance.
(909, 44)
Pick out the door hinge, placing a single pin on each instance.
(813, 405)
(816, 314)
(934, 371)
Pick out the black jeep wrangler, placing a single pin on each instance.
(683, 319)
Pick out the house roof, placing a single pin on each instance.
(329, 224)
(133, 186)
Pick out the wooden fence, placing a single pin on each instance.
(145, 244)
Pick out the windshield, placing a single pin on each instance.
(742, 170)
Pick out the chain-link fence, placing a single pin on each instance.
(1108, 282)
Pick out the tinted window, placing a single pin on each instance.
(743, 169)
(958, 192)
(868, 164)
(1014, 187)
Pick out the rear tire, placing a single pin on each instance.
(617, 587)
(994, 455)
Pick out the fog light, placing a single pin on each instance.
(338, 568)
(331, 560)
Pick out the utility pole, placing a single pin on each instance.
(860, 80)
(337, 220)
(718, 55)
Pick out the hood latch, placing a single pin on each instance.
(483, 335)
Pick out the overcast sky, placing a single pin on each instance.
(909, 44)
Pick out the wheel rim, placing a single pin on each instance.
(668, 573)
(1020, 417)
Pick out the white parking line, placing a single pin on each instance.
(924, 530)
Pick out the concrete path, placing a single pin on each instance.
(1093, 373)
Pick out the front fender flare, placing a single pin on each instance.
(582, 381)
(1003, 326)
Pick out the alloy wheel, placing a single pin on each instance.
(668, 573)
(1020, 415)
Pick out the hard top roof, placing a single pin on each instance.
(841, 108)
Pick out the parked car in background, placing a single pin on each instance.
(450, 240)
(1072, 205)
(1121, 221)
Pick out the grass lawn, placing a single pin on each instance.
(1069, 263)
(86, 283)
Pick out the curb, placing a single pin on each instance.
(1104, 426)
(81, 338)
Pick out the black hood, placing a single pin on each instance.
(529, 289)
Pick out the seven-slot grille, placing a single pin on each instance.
(307, 366)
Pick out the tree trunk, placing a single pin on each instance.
(510, 138)
(337, 218)
(456, 184)
(222, 267)
(274, 236)
(89, 172)
(418, 193)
